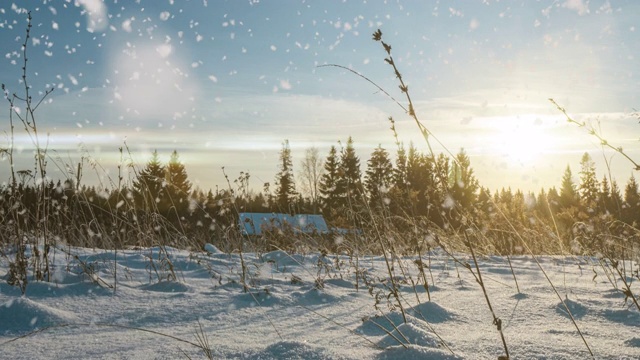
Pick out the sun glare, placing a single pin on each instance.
(521, 140)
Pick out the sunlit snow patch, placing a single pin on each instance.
(418, 352)
(211, 249)
(409, 334)
(293, 350)
(431, 312)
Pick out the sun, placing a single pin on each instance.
(521, 140)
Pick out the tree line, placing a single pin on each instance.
(438, 191)
(443, 193)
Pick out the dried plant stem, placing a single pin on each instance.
(41, 266)
(515, 279)
(592, 131)
(478, 275)
(388, 260)
(627, 286)
(555, 290)
(243, 281)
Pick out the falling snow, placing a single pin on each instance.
(224, 82)
(164, 16)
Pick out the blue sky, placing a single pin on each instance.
(225, 82)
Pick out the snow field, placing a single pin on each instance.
(306, 306)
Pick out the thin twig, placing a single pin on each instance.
(592, 131)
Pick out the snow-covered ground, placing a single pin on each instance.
(308, 307)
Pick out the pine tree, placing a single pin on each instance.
(350, 177)
(285, 183)
(553, 199)
(483, 205)
(541, 203)
(616, 200)
(148, 186)
(378, 176)
(506, 199)
(441, 175)
(420, 180)
(178, 185)
(568, 194)
(399, 194)
(518, 207)
(400, 171)
(604, 197)
(328, 186)
(462, 182)
(588, 183)
(419, 171)
(631, 210)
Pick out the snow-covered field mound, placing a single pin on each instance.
(167, 305)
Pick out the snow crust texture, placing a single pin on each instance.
(310, 306)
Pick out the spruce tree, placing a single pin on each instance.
(378, 176)
(148, 186)
(178, 185)
(604, 197)
(518, 207)
(400, 171)
(553, 199)
(285, 183)
(483, 203)
(441, 174)
(542, 204)
(588, 183)
(328, 187)
(350, 177)
(420, 180)
(419, 171)
(399, 193)
(462, 182)
(568, 194)
(616, 200)
(631, 210)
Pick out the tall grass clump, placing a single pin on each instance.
(457, 217)
(612, 241)
(30, 231)
(501, 224)
(148, 209)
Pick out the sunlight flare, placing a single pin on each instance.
(521, 140)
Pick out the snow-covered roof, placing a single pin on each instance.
(255, 223)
